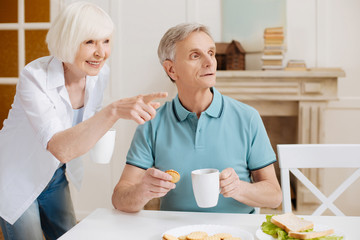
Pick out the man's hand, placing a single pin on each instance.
(155, 184)
(265, 191)
(138, 186)
(229, 183)
(140, 108)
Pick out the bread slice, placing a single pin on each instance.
(291, 223)
(309, 235)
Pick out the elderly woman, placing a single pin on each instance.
(55, 118)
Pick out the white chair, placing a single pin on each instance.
(294, 156)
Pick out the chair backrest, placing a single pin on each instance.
(295, 156)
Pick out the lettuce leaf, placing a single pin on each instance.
(269, 228)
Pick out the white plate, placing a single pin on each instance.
(210, 229)
(263, 236)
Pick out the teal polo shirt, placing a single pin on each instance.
(228, 134)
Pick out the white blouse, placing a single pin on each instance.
(40, 109)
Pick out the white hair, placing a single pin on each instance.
(77, 23)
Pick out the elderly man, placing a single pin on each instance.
(199, 128)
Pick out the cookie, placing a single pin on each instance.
(197, 236)
(169, 237)
(232, 238)
(212, 238)
(223, 235)
(175, 175)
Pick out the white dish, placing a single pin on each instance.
(211, 230)
(263, 236)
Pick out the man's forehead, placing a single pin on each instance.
(197, 41)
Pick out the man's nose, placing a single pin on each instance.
(208, 61)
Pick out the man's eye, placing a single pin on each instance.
(194, 55)
(211, 53)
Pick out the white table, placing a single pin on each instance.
(113, 224)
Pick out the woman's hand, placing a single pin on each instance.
(140, 108)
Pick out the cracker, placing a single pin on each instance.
(197, 235)
(175, 175)
(169, 237)
(223, 235)
(232, 238)
(212, 238)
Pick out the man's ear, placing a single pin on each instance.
(169, 69)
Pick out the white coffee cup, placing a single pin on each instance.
(104, 148)
(205, 183)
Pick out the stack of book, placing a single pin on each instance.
(273, 49)
(296, 65)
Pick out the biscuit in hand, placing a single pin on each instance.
(175, 175)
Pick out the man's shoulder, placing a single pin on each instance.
(163, 113)
(237, 106)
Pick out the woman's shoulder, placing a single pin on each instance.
(36, 73)
(39, 63)
(40, 67)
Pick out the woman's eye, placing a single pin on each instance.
(107, 41)
(89, 42)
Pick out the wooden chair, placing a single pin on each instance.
(295, 156)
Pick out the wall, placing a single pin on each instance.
(322, 32)
(325, 33)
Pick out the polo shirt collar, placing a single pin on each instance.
(216, 106)
(214, 110)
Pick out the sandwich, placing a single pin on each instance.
(288, 225)
(291, 223)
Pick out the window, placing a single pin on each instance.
(23, 28)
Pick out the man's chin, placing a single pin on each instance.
(211, 82)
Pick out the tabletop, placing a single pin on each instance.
(149, 224)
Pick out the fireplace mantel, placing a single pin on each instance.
(280, 85)
(300, 94)
(285, 93)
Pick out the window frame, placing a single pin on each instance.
(21, 26)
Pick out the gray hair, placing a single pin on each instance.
(166, 49)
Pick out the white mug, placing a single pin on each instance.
(104, 148)
(206, 187)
